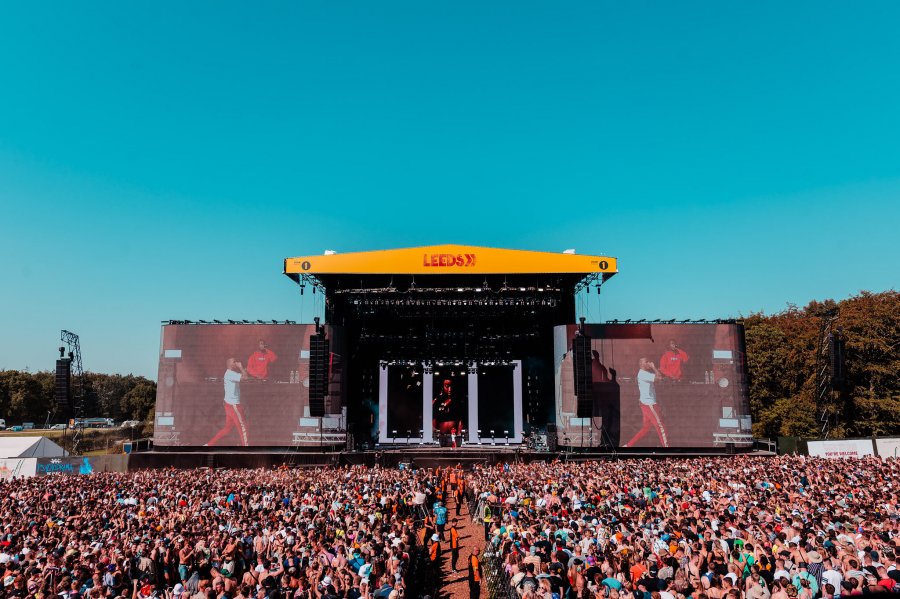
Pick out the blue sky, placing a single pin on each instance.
(159, 160)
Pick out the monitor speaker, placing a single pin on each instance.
(318, 374)
(552, 437)
(63, 383)
(581, 362)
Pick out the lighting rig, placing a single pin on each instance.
(229, 321)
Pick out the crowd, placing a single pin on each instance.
(712, 528)
(205, 534)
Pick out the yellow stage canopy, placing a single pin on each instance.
(450, 259)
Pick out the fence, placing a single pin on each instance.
(494, 576)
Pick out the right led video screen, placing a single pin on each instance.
(651, 386)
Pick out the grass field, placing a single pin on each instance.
(94, 441)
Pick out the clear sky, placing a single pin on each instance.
(159, 159)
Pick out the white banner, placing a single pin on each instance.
(17, 467)
(888, 448)
(846, 448)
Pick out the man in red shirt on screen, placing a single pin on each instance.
(672, 360)
(258, 362)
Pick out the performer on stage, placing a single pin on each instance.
(444, 410)
(646, 379)
(671, 362)
(258, 362)
(234, 415)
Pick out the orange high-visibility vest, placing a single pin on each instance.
(454, 538)
(434, 551)
(473, 563)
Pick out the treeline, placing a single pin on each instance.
(29, 397)
(782, 349)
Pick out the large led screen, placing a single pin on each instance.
(653, 386)
(446, 402)
(245, 385)
(450, 399)
(497, 405)
(404, 401)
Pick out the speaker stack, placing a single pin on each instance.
(318, 373)
(836, 353)
(581, 361)
(63, 384)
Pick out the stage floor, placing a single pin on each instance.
(414, 455)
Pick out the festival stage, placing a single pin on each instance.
(421, 348)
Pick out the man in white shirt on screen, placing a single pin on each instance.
(646, 380)
(234, 414)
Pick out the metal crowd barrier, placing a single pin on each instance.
(494, 577)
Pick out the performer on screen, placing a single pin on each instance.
(672, 360)
(234, 415)
(444, 409)
(646, 380)
(258, 362)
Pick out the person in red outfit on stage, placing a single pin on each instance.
(672, 360)
(445, 411)
(258, 362)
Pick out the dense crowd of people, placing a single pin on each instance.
(712, 528)
(207, 534)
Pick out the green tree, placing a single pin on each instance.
(781, 353)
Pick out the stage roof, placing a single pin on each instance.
(450, 260)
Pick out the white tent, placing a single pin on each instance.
(30, 447)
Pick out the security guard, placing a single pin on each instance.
(474, 575)
(434, 556)
(454, 544)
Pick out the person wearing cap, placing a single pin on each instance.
(434, 556)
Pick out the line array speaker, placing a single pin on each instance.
(581, 362)
(63, 383)
(318, 374)
(836, 351)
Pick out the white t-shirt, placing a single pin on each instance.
(646, 387)
(232, 387)
(834, 578)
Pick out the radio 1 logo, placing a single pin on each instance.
(445, 260)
